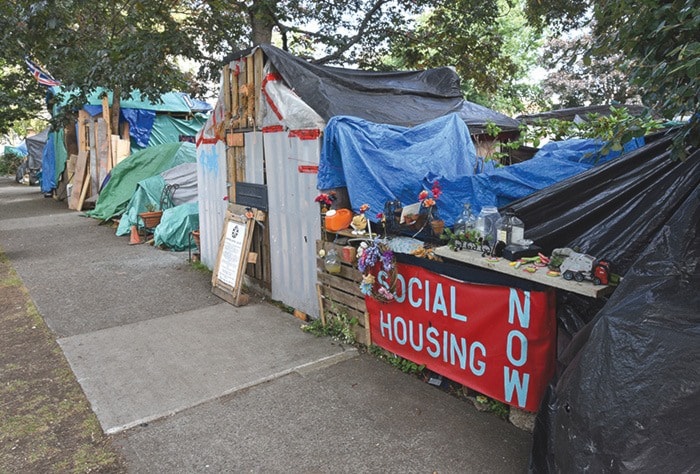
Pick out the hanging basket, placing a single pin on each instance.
(151, 218)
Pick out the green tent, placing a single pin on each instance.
(143, 164)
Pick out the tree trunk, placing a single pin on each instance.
(262, 20)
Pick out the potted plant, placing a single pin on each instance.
(151, 218)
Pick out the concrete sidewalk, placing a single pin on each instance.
(191, 384)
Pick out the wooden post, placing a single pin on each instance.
(228, 105)
(258, 59)
(107, 118)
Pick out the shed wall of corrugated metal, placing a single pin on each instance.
(294, 219)
(254, 163)
(212, 188)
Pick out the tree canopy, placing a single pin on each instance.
(137, 44)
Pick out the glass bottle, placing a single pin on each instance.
(486, 223)
(466, 220)
(510, 229)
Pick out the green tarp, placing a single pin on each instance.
(147, 194)
(143, 164)
(170, 101)
(174, 229)
(167, 129)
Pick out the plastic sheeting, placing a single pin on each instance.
(380, 163)
(53, 160)
(168, 129)
(125, 176)
(405, 98)
(150, 191)
(629, 397)
(614, 210)
(34, 148)
(498, 187)
(175, 226)
(140, 125)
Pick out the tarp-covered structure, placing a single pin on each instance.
(151, 121)
(282, 135)
(174, 191)
(125, 177)
(379, 163)
(174, 117)
(627, 395)
(162, 177)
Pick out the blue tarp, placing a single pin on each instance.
(48, 165)
(379, 163)
(498, 187)
(19, 150)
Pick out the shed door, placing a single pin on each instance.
(294, 219)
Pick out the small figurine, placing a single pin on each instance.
(359, 224)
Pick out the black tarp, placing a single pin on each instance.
(35, 149)
(626, 396)
(614, 210)
(405, 98)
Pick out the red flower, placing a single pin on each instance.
(325, 198)
(364, 208)
(437, 190)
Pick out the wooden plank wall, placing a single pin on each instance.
(340, 293)
(242, 82)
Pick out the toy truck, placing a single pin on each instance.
(580, 266)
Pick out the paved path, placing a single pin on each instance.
(188, 383)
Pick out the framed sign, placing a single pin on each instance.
(234, 254)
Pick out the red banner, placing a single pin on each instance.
(496, 340)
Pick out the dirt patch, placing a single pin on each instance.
(46, 423)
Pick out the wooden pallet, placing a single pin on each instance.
(340, 293)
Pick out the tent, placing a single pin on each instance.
(33, 149)
(126, 176)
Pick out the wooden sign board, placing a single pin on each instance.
(234, 254)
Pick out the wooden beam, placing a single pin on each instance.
(83, 142)
(250, 87)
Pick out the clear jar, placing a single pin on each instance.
(466, 220)
(332, 262)
(510, 229)
(486, 223)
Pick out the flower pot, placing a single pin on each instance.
(195, 237)
(151, 218)
(438, 226)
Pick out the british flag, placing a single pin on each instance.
(43, 77)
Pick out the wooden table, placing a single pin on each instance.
(471, 257)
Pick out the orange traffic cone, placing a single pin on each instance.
(135, 238)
